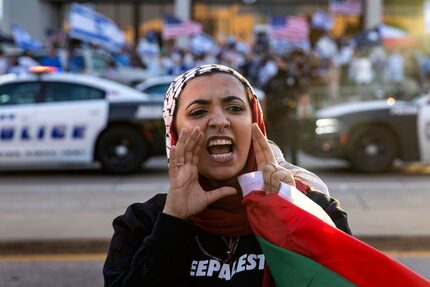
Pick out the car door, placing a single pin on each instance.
(73, 116)
(18, 130)
(424, 129)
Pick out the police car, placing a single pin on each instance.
(49, 118)
(371, 135)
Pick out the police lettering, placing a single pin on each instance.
(40, 153)
(10, 154)
(57, 132)
(73, 152)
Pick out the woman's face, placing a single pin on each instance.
(218, 104)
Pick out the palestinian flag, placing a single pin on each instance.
(303, 247)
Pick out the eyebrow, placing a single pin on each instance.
(207, 102)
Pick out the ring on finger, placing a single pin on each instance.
(274, 166)
(271, 176)
(178, 164)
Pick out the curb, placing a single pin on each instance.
(398, 243)
(28, 247)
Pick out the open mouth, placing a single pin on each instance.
(220, 148)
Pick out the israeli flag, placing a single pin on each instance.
(203, 43)
(322, 20)
(23, 40)
(87, 25)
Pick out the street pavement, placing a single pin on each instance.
(55, 226)
(74, 216)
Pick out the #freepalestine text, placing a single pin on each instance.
(212, 268)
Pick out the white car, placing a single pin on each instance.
(65, 119)
(98, 63)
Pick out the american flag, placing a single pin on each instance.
(174, 27)
(346, 7)
(292, 28)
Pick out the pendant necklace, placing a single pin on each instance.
(231, 249)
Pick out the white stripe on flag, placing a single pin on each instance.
(297, 198)
(254, 181)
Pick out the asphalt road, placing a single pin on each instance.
(85, 270)
(36, 204)
(75, 205)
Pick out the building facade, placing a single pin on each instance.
(219, 18)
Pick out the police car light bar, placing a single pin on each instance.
(42, 69)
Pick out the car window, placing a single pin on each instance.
(99, 63)
(157, 89)
(19, 93)
(64, 92)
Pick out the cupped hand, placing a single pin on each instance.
(186, 197)
(273, 173)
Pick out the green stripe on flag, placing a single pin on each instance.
(291, 269)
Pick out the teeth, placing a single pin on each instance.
(221, 156)
(219, 142)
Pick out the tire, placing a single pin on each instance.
(372, 149)
(121, 150)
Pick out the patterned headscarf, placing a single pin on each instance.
(227, 216)
(178, 85)
(170, 102)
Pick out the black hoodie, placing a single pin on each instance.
(150, 248)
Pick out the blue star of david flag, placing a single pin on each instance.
(23, 40)
(87, 25)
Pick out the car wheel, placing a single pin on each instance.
(372, 149)
(121, 150)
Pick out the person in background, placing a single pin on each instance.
(26, 61)
(360, 69)
(282, 96)
(52, 59)
(14, 67)
(4, 65)
(111, 71)
(122, 58)
(396, 67)
(198, 233)
(333, 79)
(75, 63)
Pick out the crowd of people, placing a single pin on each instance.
(329, 62)
(296, 81)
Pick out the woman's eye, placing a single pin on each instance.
(197, 113)
(235, 109)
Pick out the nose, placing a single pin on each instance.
(218, 120)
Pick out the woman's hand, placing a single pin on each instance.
(186, 197)
(273, 174)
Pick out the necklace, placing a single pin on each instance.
(231, 249)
